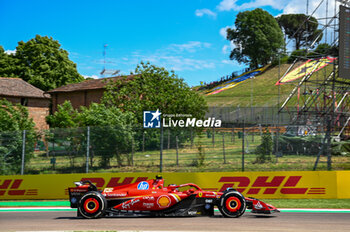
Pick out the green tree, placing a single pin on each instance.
(42, 62)
(7, 64)
(298, 28)
(94, 115)
(257, 38)
(65, 117)
(264, 150)
(152, 88)
(297, 54)
(13, 120)
(324, 49)
(111, 132)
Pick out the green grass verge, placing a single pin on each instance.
(35, 203)
(262, 90)
(310, 203)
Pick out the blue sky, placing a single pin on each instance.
(187, 36)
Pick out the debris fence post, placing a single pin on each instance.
(277, 143)
(177, 151)
(143, 141)
(87, 148)
(233, 135)
(191, 138)
(23, 150)
(223, 146)
(213, 137)
(328, 146)
(243, 146)
(161, 150)
(132, 151)
(168, 139)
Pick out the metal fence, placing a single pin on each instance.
(252, 115)
(111, 149)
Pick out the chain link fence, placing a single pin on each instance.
(112, 149)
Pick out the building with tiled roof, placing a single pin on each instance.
(83, 93)
(19, 91)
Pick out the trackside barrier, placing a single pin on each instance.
(294, 184)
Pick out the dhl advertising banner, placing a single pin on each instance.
(318, 184)
(343, 182)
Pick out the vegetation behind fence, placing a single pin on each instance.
(111, 149)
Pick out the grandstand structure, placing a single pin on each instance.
(320, 100)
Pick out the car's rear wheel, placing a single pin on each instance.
(232, 204)
(92, 205)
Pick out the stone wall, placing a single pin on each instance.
(38, 109)
(77, 98)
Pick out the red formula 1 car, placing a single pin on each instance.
(152, 198)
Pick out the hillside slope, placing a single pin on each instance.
(261, 90)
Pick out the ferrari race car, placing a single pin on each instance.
(151, 198)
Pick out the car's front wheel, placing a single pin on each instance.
(232, 204)
(92, 205)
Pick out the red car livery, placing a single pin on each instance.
(150, 197)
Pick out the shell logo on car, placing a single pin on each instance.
(163, 201)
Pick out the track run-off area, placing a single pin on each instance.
(64, 219)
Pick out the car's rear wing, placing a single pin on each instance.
(75, 193)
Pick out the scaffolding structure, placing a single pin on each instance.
(321, 99)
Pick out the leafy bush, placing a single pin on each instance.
(13, 120)
(341, 148)
(324, 49)
(111, 132)
(152, 88)
(297, 53)
(283, 60)
(264, 150)
(299, 145)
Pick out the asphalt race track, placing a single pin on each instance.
(66, 220)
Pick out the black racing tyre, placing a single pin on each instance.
(232, 204)
(92, 205)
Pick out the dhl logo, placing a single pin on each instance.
(11, 188)
(262, 185)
